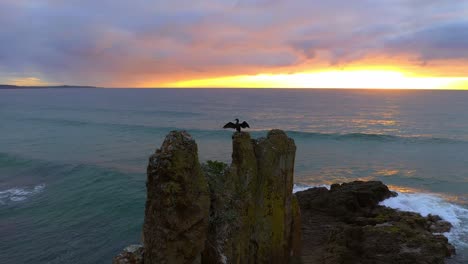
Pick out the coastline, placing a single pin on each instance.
(20, 87)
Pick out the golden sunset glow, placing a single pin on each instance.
(28, 81)
(367, 79)
(238, 44)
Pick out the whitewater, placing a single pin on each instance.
(427, 204)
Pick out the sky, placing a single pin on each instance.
(235, 43)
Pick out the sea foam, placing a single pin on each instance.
(425, 204)
(19, 194)
(434, 204)
(298, 187)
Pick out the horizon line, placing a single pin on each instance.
(228, 87)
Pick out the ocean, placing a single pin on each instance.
(73, 161)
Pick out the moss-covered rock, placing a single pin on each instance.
(215, 213)
(177, 205)
(224, 213)
(275, 156)
(246, 212)
(295, 243)
(346, 224)
(255, 217)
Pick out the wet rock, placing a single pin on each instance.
(437, 225)
(132, 254)
(346, 224)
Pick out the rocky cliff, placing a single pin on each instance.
(246, 213)
(215, 213)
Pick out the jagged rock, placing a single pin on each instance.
(246, 213)
(437, 224)
(132, 254)
(177, 205)
(253, 215)
(346, 225)
(256, 218)
(348, 199)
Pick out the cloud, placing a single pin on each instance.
(124, 43)
(447, 41)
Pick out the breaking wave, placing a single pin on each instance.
(425, 204)
(19, 194)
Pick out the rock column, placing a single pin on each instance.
(264, 226)
(177, 205)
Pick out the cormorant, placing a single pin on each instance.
(236, 126)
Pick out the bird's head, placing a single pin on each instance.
(237, 120)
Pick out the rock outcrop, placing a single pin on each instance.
(215, 213)
(256, 217)
(277, 212)
(246, 213)
(346, 225)
(177, 204)
(132, 254)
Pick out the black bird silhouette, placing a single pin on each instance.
(236, 126)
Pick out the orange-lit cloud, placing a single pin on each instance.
(170, 43)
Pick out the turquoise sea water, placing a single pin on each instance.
(72, 162)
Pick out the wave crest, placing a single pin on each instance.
(373, 137)
(19, 194)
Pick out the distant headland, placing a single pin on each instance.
(8, 86)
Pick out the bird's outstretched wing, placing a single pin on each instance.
(229, 125)
(244, 125)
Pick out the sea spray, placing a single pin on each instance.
(426, 204)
